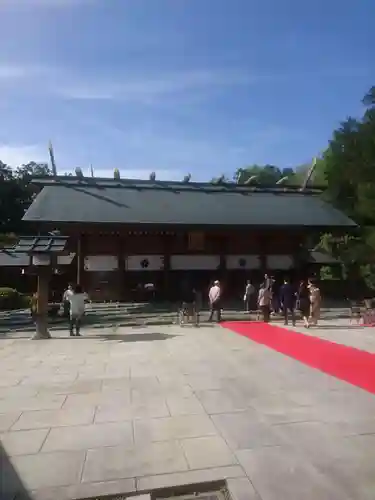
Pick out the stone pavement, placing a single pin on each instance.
(131, 409)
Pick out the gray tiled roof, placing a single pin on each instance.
(144, 202)
(10, 259)
(317, 257)
(41, 244)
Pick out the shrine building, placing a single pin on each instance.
(126, 233)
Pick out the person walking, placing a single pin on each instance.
(303, 302)
(264, 302)
(77, 310)
(248, 296)
(288, 301)
(214, 297)
(65, 302)
(315, 301)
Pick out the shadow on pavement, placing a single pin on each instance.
(128, 337)
(337, 327)
(11, 485)
(105, 337)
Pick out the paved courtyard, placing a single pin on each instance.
(132, 409)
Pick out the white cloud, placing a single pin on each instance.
(148, 88)
(16, 155)
(11, 72)
(68, 84)
(51, 4)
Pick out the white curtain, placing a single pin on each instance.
(144, 263)
(101, 263)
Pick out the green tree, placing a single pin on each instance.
(16, 195)
(348, 167)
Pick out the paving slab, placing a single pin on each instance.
(49, 469)
(103, 464)
(173, 428)
(84, 437)
(156, 407)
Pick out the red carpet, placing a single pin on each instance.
(346, 363)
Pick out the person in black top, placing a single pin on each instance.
(189, 299)
(288, 301)
(303, 298)
(275, 287)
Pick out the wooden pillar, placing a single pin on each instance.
(79, 259)
(222, 247)
(42, 332)
(167, 266)
(122, 267)
(263, 253)
(81, 253)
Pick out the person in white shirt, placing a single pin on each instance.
(247, 298)
(77, 310)
(214, 297)
(65, 302)
(264, 302)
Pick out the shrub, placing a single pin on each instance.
(12, 299)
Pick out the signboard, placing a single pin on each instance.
(243, 261)
(101, 263)
(65, 260)
(41, 260)
(144, 263)
(195, 262)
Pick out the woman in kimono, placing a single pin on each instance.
(315, 301)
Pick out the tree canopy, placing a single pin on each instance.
(16, 195)
(348, 167)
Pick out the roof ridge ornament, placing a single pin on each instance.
(79, 173)
(153, 176)
(219, 180)
(282, 181)
(253, 179)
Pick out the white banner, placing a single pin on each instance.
(101, 263)
(144, 263)
(280, 262)
(243, 261)
(194, 262)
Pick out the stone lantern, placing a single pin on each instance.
(43, 252)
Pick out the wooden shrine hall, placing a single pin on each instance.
(124, 234)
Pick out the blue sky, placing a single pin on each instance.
(177, 86)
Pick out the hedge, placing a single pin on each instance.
(12, 299)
